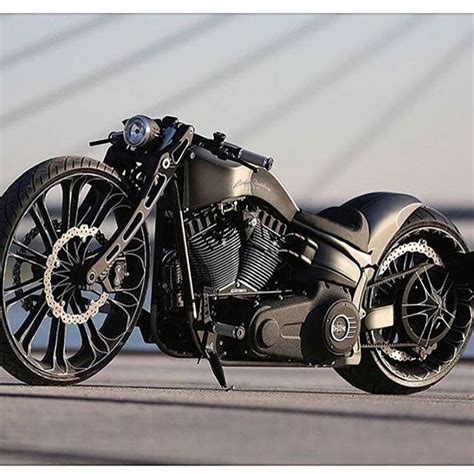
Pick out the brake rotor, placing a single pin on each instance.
(53, 262)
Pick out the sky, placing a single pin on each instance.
(345, 104)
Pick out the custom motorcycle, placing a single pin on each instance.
(379, 288)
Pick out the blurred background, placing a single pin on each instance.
(347, 104)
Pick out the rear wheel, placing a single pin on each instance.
(54, 221)
(433, 315)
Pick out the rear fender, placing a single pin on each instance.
(386, 214)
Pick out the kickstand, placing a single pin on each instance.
(217, 370)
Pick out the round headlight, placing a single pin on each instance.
(140, 130)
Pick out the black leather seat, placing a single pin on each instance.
(345, 223)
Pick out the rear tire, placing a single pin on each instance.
(376, 373)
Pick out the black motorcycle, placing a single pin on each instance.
(379, 288)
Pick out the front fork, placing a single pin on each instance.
(166, 164)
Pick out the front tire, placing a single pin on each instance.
(81, 203)
(385, 370)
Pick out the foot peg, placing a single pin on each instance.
(235, 332)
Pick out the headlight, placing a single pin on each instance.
(140, 130)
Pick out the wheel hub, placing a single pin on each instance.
(428, 306)
(53, 263)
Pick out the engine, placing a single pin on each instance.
(234, 249)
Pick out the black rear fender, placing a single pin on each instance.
(386, 213)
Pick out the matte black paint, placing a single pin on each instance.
(386, 213)
(293, 329)
(210, 180)
(330, 264)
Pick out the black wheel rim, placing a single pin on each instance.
(48, 346)
(428, 305)
(436, 351)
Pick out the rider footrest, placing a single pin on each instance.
(235, 332)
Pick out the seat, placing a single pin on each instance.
(343, 222)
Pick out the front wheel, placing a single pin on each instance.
(54, 222)
(433, 315)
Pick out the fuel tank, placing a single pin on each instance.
(209, 180)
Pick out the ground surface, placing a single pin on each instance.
(151, 409)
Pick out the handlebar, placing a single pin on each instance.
(228, 151)
(256, 159)
(216, 145)
(113, 137)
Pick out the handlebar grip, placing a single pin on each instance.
(256, 159)
(112, 138)
(99, 142)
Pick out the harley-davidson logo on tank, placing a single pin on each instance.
(254, 184)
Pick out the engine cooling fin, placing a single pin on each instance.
(261, 255)
(214, 250)
(230, 249)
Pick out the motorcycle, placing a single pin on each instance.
(379, 288)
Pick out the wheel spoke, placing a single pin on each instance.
(55, 356)
(127, 309)
(128, 292)
(430, 283)
(66, 293)
(95, 200)
(71, 190)
(451, 315)
(40, 214)
(34, 261)
(427, 292)
(103, 208)
(433, 324)
(90, 199)
(21, 286)
(39, 257)
(419, 305)
(24, 294)
(134, 247)
(419, 313)
(430, 319)
(440, 318)
(27, 331)
(445, 293)
(67, 250)
(91, 338)
(440, 291)
(96, 215)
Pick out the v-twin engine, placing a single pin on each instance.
(234, 250)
